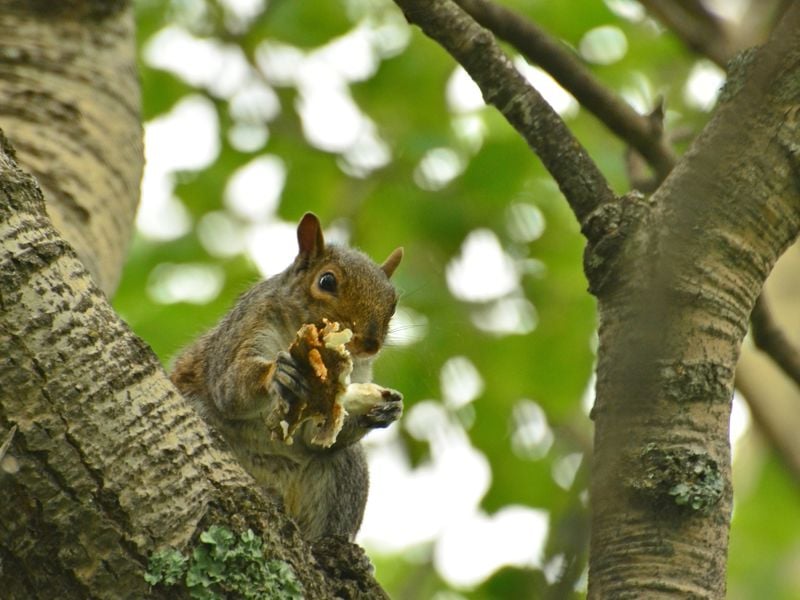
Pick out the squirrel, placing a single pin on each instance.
(243, 380)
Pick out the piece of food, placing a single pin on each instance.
(325, 365)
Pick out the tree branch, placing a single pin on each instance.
(766, 415)
(505, 88)
(769, 338)
(699, 29)
(552, 56)
(113, 463)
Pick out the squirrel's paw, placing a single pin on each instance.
(374, 406)
(383, 414)
(287, 380)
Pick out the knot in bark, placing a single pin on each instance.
(608, 229)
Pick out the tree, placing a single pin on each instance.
(104, 446)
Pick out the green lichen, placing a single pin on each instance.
(686, 478)
(166, 566)
(738, 69)
(225, 565)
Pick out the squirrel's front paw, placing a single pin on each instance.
(287, 381)
(290, 390)
(387, 412)
(374, 406)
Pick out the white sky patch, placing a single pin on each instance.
(254, 102)
(408, 507)
(603, 45)
(587, 399)
(196, 283)
(185, 139)
(730, 9)
(468, 553)
(483, 271)
(703, 85)
(220, 234)
(391, 35)
(248, 137)
(271, 246)
(352, 55)
(470, 130)
(740, 420)
(566, 468)
(253, 191)
(367, 154)
(627, 9)
(438, 167)
(220, 68)
(515, 315)
(531, 435)
(639, 92)
(161, 215)
(244, 11)
(462, 93)
(407, 327)
(557, 97)
(279, 63)
(331, 119)
(525, 222)
(460, 381)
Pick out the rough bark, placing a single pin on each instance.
(109, 462)
(676, 278)
(106, 462)
(69, 103)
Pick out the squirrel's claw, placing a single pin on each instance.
(290, 385)
(385, 412)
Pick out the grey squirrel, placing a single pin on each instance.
(250, 378)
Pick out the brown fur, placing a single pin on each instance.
(231, 375)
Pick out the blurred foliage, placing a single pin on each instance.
(404, 97)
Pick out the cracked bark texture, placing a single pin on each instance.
(69, 103)
(108, 463)
(676, 278)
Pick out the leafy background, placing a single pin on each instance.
(502, 412)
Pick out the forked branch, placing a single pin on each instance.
(541, 48)
(506, 89)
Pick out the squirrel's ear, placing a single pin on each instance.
(309, 236)
(390, 264)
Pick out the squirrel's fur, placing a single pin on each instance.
(236, 373)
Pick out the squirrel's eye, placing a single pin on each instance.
(327, 282)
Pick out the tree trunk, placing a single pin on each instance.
(69, 103)
(106, 462)
(676, 277)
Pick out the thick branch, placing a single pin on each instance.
(502, 86)
(112, 462)
(671, 328)
(69, 102)
(540, 48)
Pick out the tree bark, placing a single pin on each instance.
(676, 278)
(69, 103)
(107, 462)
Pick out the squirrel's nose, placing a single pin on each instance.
(365, 344)
(370, 345)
